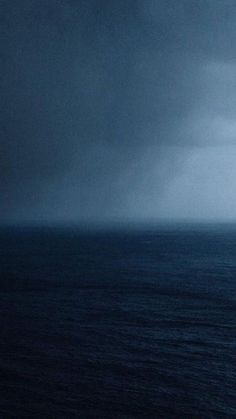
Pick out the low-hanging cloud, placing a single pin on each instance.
(103, 101)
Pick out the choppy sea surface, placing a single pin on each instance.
(137, 323)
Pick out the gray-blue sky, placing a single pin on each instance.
(117, 109)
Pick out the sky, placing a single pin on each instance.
(117, 110)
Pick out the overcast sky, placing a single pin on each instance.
(119, 109)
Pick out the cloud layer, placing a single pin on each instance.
(103, 104)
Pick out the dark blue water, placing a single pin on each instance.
(122, 324)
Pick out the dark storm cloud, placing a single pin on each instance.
(94, 93)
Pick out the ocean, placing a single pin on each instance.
(123, 323)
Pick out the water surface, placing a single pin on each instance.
(118, 324)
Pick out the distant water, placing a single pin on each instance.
(122, 324)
